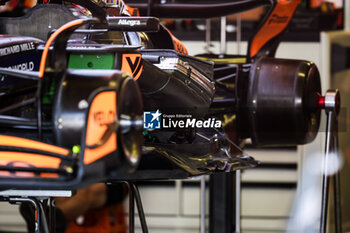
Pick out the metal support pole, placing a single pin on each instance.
(223, 37)
(238, 202)
(33, 197)
(336, 186)
(347, 15)
(140, 208)
(221, 203)
(203, 205)
(331, 106)
(239, 33)
(179, 195)
(43, 216)
(131, 209)
(337, 203)
(305, 216)
(36, 208)
(134, 195)
(149, 7)
(238, 172)
(40, 219)
(207, 35)
(325, 177)
(52, 215)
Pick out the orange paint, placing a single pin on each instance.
(132, 64)
(39, 161)
(178, 45)
(276, 23)
(31, 144)
(22, 174)
(20, 160)
(132, 11)
(103, 111)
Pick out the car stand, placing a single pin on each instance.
(39, 199)
(134, 196)
(331, 103)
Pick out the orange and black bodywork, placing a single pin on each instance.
(249, 86)
(176, 83)
(90, 117)
(194, 9)
(269, 34)
(169, 80)
(264, 41)
(173, 82)
(186, 83)
(106, 105)
(132, 64)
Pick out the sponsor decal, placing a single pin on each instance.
(128, 22)
(27, 66)
(132, 64)
(278, 19)
(102, 118)
(17, 48)
(82, 46)
(28, 61)
(103, 110)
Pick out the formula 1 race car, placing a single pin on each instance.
(176, 73)
(76, 80)
(93, 118)
(259, 91)
(172, 82)
(259, 88)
